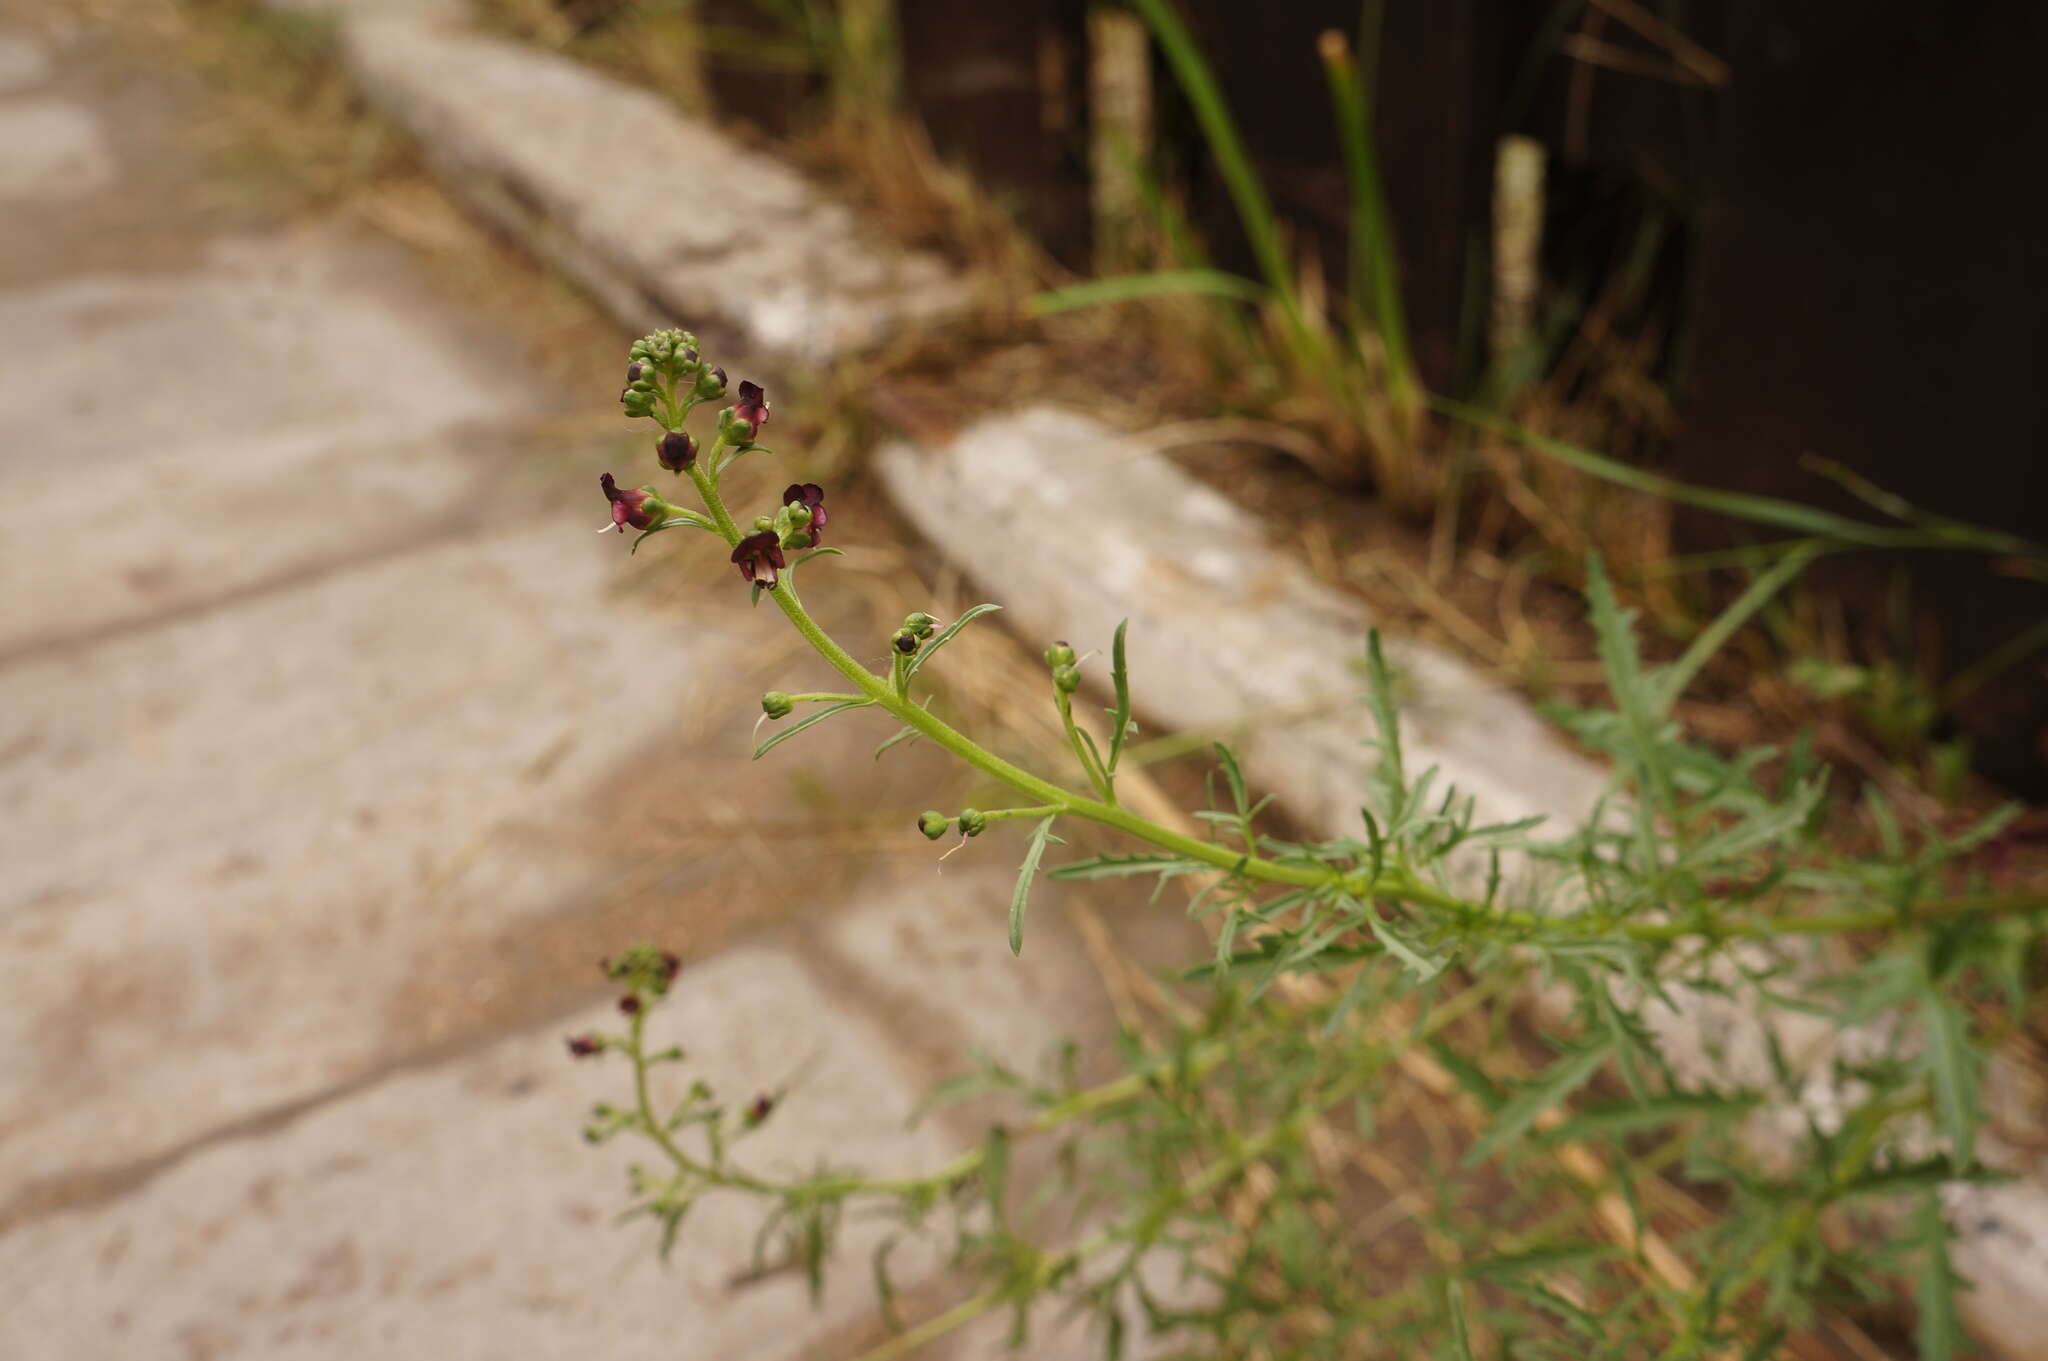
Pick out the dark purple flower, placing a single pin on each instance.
(759, 557)
(759, 1109)
(675, 450)
(637, 507)
(811, 497)
(583, 1046)
(630, 1003)
(751, 410)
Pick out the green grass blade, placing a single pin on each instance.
(1375, 276)
(1766, 510)
(1212, 111)
(1672, 683)
(1165, 283)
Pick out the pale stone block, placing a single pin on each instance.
(456, 1214)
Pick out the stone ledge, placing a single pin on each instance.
(1072, 527)
(659, 216)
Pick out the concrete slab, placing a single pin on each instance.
(279, 339)
(659, 216)
(455, 1213)
(934, 951)
(232, 839)
(24, 62)
(1095, 528)
(51, 149)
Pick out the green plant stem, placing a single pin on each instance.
(1084, 750)
(1393, 883)
(1208, 1180)
(1254, 209)
(998, 814)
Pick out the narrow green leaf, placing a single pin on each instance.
(1390, 774)
(1633, 1117)
(1120, 680)
(1227, 762)
(1550, 1087)
(1940, 1330)
(1952, 1070)
(995, 1172)
(885, 1286)
(819, 717)
(1454, 1306)
(1634, 696)
(1673, 680)
(1538, 1260)
(1121, 866)
(1034, 851)
(1766, 510)
(904, 734)
(1422, 966)
(1165, 283)
(818, 553)
(945, 635)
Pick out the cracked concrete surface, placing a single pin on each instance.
(334, 750)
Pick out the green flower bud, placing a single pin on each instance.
(920, 624)
(710, 383)
(904, 641)
(775, 704)
(973, 821)
(933, 824)
(800, 517)
(1067, 678)
(1059, 655)
(764, 524)
(637, 401)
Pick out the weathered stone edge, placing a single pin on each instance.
(660, 217)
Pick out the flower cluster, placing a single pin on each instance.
(665, 378)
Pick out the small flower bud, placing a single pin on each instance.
(759, 1109)
(933, 824)
(676, 450)
(633, 372)
(637, 401)
(799, 515)
(1067, 678)
(775, 704)
(905, 642)
(583, 1046)
(710, 383)
(809, 498)
(973, 822)
(643, 969)
(1059, 655)
(919, 623)
(764, 524)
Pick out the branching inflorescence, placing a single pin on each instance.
(1789, 1163)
